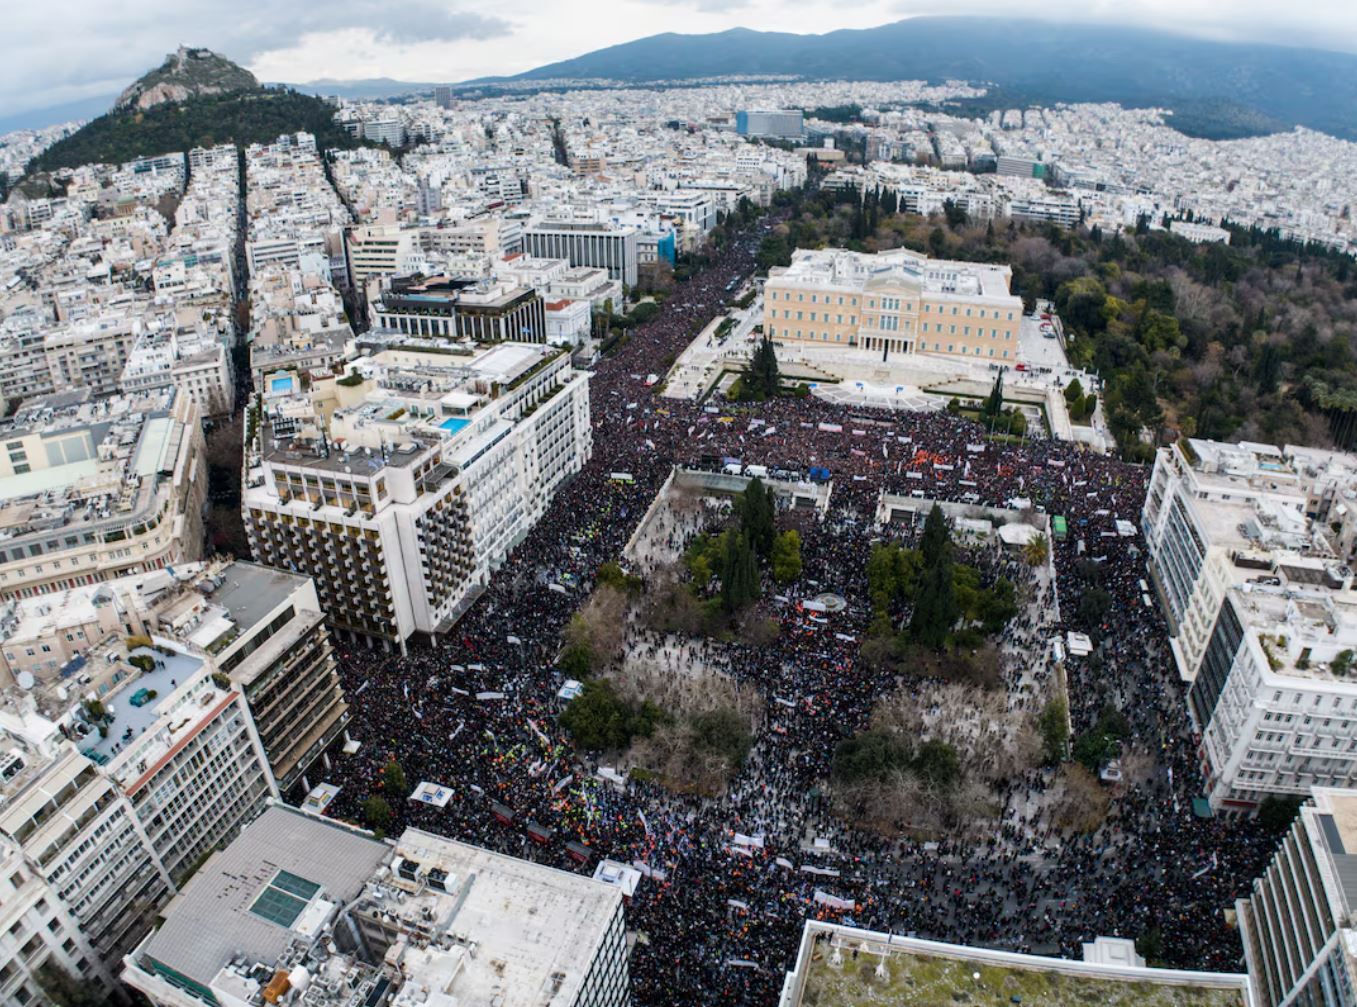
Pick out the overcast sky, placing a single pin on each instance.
(92, 47)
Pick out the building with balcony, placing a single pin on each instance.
(81, 882)
(264, 630)
(1298, 923)
(477, 310)
(402, 484)
(90, 491)
(896, 302)
(1249, 547)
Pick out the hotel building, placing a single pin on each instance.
(402, 484)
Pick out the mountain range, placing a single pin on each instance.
(1216, 89)
(1027, 60)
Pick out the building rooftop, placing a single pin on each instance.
(846, 967)
(535, 928)
(248, 591)
(282, 878)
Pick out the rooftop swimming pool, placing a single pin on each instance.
(280, 384)
(453, 424)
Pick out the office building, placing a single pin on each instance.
(402, 484)
(585, 243)
(442, 97)
(838, 964)
(896, 302)
(380, 251)
(194, 362)
(1249, 551)
(300, 908)
(478, 310)
(95, 490)
(786, 124)
(1297, 923)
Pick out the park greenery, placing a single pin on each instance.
(949, 605)
(1101, 743)
(1252, 340)
(877, 754)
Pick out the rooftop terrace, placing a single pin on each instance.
(849, 967)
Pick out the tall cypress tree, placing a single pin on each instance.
(935, 605)
(755, 509)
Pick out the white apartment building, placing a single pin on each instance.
(79, 882)
(400, 486)
(381, 251)
(116, 783)
(94, 490)
(1298, 924)
(195, 363)
(1262, 615)
(305, 907)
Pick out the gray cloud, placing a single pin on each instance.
(47, 65)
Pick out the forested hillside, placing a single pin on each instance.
(242, 118)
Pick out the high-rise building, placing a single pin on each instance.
(442, 97)
(265, 631)
(400, 486)
(786, 123)
(586, 243)
(1297, 924)
(1249, 551)
(896, 302)
(304, 909)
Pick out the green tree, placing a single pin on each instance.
(935, 605)
(994, 403)
(740, 579)
(761, 376)
(597, 719)
(377, 812)
(754, 507)
(1037, 551)
(1074, 391)
(1054, 725)
(724, 733)
(873, 754)
(393, 780)
(937, 763)
(786, 558)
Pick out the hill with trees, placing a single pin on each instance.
(194, 99)
(1221, 88)
(241, 118)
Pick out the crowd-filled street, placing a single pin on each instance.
(717, 916)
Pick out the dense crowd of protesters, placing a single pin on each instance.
(729, 880)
